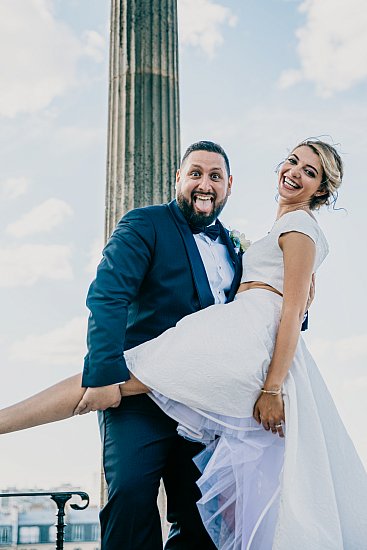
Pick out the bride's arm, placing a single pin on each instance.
(55, 403)
(299, 255)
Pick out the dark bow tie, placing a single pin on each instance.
(213, 231)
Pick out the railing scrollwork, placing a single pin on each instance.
(60, 498)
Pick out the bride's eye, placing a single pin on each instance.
(292, 160)
(310, 173)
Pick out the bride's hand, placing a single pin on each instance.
(269, 411)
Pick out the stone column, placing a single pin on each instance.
(143, 150)
(143, 126)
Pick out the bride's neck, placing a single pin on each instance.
(284, 208)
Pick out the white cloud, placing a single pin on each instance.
(40, 219)
(358, 384)
(12, 188)
(64, 346)
(342, 364)
(41, 57)
(76, 138)
(240, 224)
(94, 255)
(27, 264)
(286, 125)
(345, 350)
(332, 46)
(201, 23)
(94, 45)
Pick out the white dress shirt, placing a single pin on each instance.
(218, 265)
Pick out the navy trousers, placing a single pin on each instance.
(141, 446)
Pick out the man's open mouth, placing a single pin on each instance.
(203, 203)
(201, 197)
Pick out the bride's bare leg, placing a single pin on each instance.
(55, 403)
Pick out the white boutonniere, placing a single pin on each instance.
(239, 240)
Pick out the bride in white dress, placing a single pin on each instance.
(279, 470)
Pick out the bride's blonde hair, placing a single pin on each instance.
(332, 166)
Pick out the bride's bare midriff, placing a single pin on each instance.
(257, 284)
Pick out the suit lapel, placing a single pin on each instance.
(199, 275)
(236, 260)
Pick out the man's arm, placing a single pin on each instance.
(126, 260)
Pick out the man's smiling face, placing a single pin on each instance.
(202, 187)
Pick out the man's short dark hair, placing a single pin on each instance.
(209, 146)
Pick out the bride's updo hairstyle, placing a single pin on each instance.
(332, 176)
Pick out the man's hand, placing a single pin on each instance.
(99, 399)
(133, 387)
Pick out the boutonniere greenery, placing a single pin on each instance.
(239, 240)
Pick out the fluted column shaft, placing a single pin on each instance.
(143, 149)
(143, 127)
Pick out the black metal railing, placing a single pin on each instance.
(60, 498)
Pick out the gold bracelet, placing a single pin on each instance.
(271, 392)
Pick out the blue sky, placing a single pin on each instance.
(256, 76)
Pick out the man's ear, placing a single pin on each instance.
(178, 176)
(230, 181)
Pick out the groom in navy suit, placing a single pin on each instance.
(160, 264)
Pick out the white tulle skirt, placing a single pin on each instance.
(307, 491)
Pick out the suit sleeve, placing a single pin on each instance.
(305, 322)
(126, 260)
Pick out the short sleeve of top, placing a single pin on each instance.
(263, 261)
(298, 221)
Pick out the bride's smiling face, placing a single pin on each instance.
(202, 186)
(300, 176)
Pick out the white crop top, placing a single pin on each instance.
(263, 261)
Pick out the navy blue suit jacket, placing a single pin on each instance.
(150, 277)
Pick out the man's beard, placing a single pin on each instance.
(198, 219)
